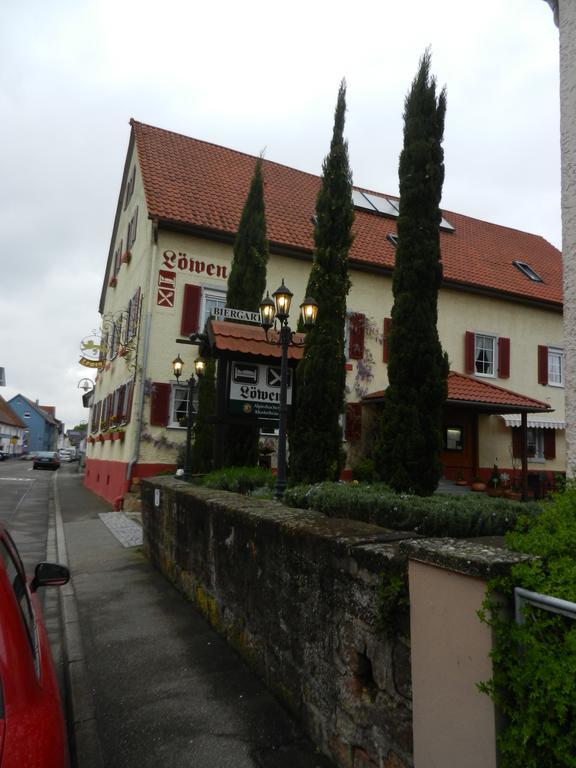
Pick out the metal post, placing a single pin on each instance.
(285, 337)
(189, 416)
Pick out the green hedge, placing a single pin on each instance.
(534, 682)
(462, 516)
(238, 479)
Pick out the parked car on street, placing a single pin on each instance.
(32, 724)
(46, 460)
(3, 455)
(65, 454)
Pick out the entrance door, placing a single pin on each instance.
(459, 436)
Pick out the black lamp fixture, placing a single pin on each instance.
(278, 308)
(199, 368)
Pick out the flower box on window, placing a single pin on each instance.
(113, 282)
(118, 435)
(123, 351)
(126, 257)
(91, 440)
(100, 438)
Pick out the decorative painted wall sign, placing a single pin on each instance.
(184, 263)
(166, 288)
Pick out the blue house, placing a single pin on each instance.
(41, 423)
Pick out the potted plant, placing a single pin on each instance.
(478, 484)
(460, 479)
(494, 487)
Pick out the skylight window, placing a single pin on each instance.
(528, 271)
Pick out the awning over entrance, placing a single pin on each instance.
(467, 391)
(534, 423)
(249, 339)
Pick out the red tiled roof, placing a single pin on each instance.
(204, 186)
(7, 415)
(466, 389)
(249, 339)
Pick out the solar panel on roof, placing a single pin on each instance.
(382, 204)
(359, 201)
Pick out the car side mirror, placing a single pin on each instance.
(50, 575)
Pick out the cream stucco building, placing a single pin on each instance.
(500, 312)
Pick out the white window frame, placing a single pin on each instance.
(555, 353)
(207, 294)
(177, 387)
(494, 338)
(535, 436)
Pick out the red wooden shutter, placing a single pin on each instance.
(385, 337)
(120, 404)
(549, 444)
(191, 309)
(542, 365)
(134, 226)
(129, 397)
(517, 443)
(469, 348)
(160, 404)
(356, 336)
(353, 425)
(503, 357)
(109, 403)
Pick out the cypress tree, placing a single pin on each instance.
(246, 286)
(247, 281)
(407, 455)
(316, 438)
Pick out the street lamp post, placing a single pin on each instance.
(199, 366)
(279, 308)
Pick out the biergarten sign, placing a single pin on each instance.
(236, 315)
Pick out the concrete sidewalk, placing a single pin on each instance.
(151, 684)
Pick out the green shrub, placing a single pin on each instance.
(243, 480)
(463, 516)
(535, 662)
(364, 471)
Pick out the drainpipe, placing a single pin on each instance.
(524, 428)
(144, 365)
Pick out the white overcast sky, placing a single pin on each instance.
(249, 75)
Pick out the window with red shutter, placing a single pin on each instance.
(191, 309)
(160, 404)
(503, 357)
(356, 336)
(353, 422)
(385, 337)
(542, 364)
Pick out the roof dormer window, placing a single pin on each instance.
(528, 271)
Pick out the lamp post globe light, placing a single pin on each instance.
(199, 367)
(278, 308)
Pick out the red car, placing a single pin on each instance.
(32, 724)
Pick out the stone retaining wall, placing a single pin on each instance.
(297, 594)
